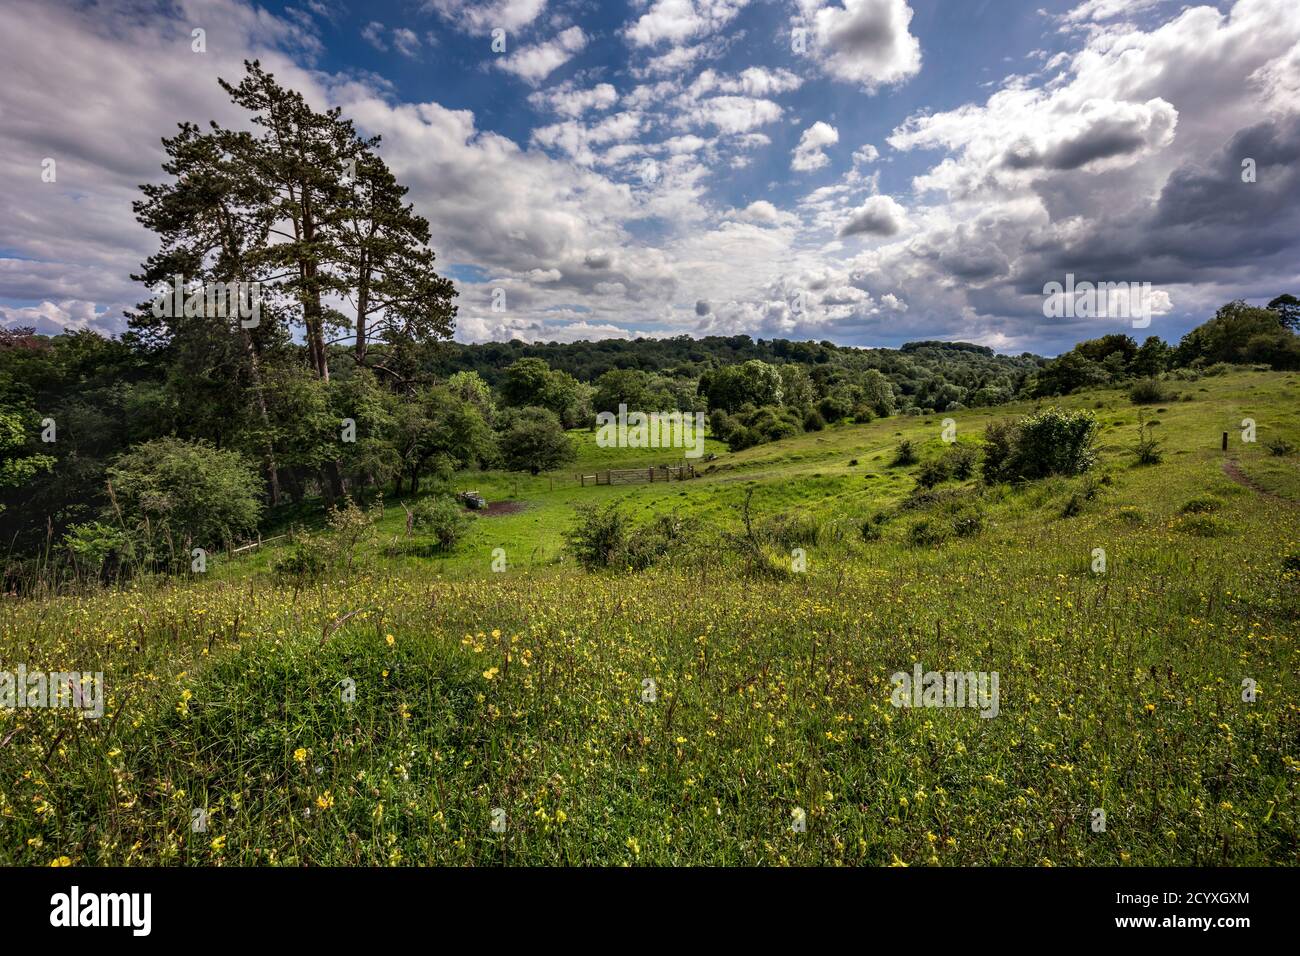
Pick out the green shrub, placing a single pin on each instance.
(598, 537)
(1055, 442)
(961, 461)
(905, 453)
(1279, 447)
(307, 559)
(933, 472)
(1149, 391)
(1202, 504)
(928, 531)
(178, 494)
(1147, 449)
(968, 522)
(999, 450)
(443, 518)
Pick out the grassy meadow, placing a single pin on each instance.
(503, 717)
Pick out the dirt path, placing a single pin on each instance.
(1233, 471)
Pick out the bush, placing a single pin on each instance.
(1055, 442)
(1202, 504)
(182, 494)
(92, 544)
(928, 531)
(599, 535)
(1279, 447)
(905, 453)
(813, 421)
(443, 518)
(646, 546)
(351, 526)
(1147, 449)
(306, 560)
(961, 461)
(968, 522)
(1073, 505)
(1204, 526)
(1148, 392)
(933, 472)
(999, 450)
(603, 538)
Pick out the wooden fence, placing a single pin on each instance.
(632, 476)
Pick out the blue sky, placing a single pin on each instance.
(865, 171)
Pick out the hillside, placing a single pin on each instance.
(767, 735)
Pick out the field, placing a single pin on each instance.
(424, 709)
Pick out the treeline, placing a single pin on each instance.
(1238, 334)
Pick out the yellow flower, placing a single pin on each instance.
(219, 844)
(61, 861)
(388, 638)
(490, 673)
(300, 755)
(325, 800)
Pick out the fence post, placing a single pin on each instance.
(1225, 441)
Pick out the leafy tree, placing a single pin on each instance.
(1288, 307)
(1151, 359)
(185, 494)
(533, 440)
(16, 466)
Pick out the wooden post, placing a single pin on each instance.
(1225, 441)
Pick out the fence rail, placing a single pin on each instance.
(633, 476)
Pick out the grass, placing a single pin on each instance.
(523, 691)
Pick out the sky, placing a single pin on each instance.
(868, 172)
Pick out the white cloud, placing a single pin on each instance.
(810, 154)
(407, 43)
(373, 33)
(534, 63)
(676, 21)
(867, 42)
(481, 15)
(878, 216)
(865, 154)
(567, 99)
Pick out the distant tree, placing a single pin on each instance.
(751, 383)
(470, 387)
(534, 440)
(1288, 307)
(525, 382)
(1152, 358)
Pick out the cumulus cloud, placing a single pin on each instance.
(867, 42)
(878, 216)
(568, 99)
(810, 154)
(479, 15)
(865, 154)
(676, 21)
(535, 63)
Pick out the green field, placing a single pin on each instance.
(522, 691)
